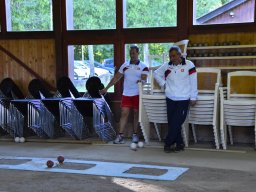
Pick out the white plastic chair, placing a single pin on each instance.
(205, 112)
(152, 109)
(238, 104)
(183, 44)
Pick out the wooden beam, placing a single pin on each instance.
(57, 27)
(28, 35)
(3, 18)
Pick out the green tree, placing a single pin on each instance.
(151, 13)
(32, 15)
(205, 6)
(94, 14)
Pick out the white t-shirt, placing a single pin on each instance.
(132, 73)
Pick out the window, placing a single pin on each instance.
(208, 12)
(90, 60)
(153, 13)
(152, 54)
(29, 15)
(91, 14)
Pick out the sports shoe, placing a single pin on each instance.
(119, 140)
(135, 138)
(169, 149)
(179, 148)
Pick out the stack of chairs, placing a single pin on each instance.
(103, 120)
(8, 120)
(238, 104)
(71, 120)
(76, 113)
(152, 109)
(206, 110)
(40, 119)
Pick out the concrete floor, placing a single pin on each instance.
(210, 170)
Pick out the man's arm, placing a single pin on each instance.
(193, 85)
(112, 82)
(159, 75)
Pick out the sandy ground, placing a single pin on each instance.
(196, 179)
(209, 171)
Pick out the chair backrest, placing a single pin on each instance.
(155, 88)
(38, 90)
(66, 88)
(207, 79)
(10, 90)
(183, 44)
(241, 84)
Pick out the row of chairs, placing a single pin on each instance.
(217, 106)
(48, 115)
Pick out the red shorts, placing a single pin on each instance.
(130, 101)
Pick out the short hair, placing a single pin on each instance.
(175, 48)
(135, 47)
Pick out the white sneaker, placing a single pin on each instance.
(135, 138)
(119, 140)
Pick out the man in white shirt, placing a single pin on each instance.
(179, 80)
(133, 72)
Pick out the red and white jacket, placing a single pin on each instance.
(180, 80)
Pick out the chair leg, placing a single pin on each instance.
(145, 128)
(157, 131)
(185, 133)
(230, 134)
(194, 132)
(255, 135)
(223, 132)
(216, 137)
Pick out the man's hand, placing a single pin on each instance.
(103, 91)
(192, 102)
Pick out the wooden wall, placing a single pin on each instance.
(211, 39)
(38, 55)
(242, 13)
(244, 38)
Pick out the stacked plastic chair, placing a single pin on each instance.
(10, 120)
(76, 114)
(206, 110)
(152, 109)
(102, 114)
(71, 119)
(238, 104)
(102, 120)
(40, 119)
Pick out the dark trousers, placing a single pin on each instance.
(176, 112)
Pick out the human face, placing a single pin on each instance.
(175, 57)
(134, 55)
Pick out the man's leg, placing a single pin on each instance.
(172, 132)
(182, 109)
(135, 138)
(123, 121)
(124, 118)
(135, 120)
